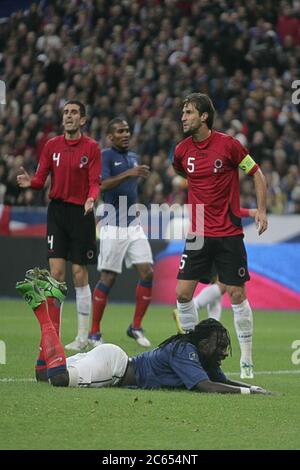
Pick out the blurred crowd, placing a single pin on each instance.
(138, 59)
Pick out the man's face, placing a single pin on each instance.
(213, 350)
(120, 135)
(192, 121)
(72, 121)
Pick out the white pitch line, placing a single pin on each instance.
(270, 372)
(260, 372)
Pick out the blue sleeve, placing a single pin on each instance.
(185, 363)
(217, 375)
(106, 166)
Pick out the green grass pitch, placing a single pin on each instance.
(37, 416)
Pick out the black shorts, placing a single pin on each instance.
(71, 234)
(227, 254)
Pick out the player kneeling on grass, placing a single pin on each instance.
(190, 360)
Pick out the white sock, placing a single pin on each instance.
(208, 295)
(214, 309)
(188, 315)
(83, 304)
(243, 323)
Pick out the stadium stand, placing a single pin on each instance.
(138, 59)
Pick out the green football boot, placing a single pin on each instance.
(31, 293)
(44, 281)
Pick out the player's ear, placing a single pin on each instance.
(204, 116)
(83, 120)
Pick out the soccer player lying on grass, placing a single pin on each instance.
(190, 360)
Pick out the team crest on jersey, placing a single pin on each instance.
(193, 356)
(218, 166)
(83, 161)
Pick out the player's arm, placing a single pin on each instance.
(135, 172)
(207, 386)
(248, 165)
(24, 180)
(94, 176)
(177, 164)
(261, 196)
(244, 212)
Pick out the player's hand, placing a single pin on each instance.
(261, 221)
(139, 170)
(252, 213)
(23, 179)
(89, 205)
(259, 390)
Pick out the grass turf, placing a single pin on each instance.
(37, 416)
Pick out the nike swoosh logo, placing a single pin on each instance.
(118, 163)
(146, 298)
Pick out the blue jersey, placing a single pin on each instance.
(163, 367)
(115, 162)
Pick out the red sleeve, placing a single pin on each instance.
(177, 161)
(94, 173)
(237, 151)
(43, 169)
(244, 212)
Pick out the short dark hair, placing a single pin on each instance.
(203, 330)
(112, 123)
(203, 104)
(81, 106)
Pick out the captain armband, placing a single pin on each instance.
(248, 165)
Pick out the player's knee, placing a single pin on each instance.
(237, 294)
(147, 274)
(60, 380)
(58, 274)
(108, 278)
(80, 275)
(183, 296)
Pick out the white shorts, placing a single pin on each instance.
(103, 366)
(119, 243)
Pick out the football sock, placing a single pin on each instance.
(83, 304)
(53, 351)
(143, 296)
(188, 315)
(214, 309)
(54, 309)
(208, 295)
(243, 323)
(100, 298)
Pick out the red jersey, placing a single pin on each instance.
(211, 168)
(75, 167)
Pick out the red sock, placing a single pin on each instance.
(143, 296)
(99, 303)
(52, 349)
(54, 313)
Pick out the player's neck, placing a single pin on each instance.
(201, 134)
(73, 135)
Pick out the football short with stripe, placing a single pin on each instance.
(123, 243)
(103, 366)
